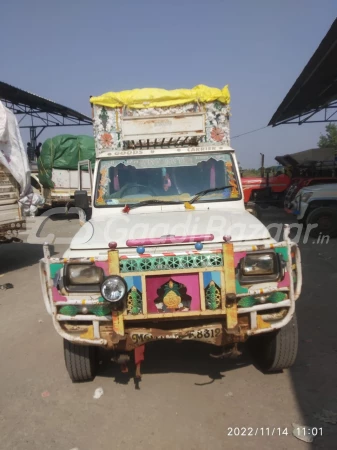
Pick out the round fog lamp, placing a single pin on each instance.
(113, 289)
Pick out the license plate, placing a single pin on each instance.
(210, 334)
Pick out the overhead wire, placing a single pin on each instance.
(249, 132)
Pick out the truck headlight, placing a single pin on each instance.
(305, 197)
(259, 267)
(113, 289)
(83, 277)
(262, 264)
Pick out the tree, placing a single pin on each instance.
(330, 139)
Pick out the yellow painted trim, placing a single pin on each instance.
(113, 262)
(229, 269)
(118, 322)
(89, 334)
(144, 295)
(261, 323)
(202, 292)
(113, 268)
(223, 290)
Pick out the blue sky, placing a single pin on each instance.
(69, 50)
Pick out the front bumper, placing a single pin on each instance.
(232, 314)
(297, 208)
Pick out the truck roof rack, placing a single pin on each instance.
(162, 143)
(163, 130)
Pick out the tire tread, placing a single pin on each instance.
(314, 215)
(80, 361)
(277, 350)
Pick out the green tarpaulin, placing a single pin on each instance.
(64, 152)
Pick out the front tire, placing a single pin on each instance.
(326, 220)
(277, 350)
(80, 361)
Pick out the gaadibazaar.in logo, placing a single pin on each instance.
(124, 227)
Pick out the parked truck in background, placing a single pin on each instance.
(57, 176)
(12, 220)
(170, 251)
(65, 183)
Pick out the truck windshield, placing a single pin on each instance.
(166, 179)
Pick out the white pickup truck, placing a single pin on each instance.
(316, 207)
(170, 251)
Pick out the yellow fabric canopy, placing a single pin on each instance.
(153, 97)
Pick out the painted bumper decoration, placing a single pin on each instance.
(172, 295)
(187, 284)
(171, 261)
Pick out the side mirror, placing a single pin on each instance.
(81, 200)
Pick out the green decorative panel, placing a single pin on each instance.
(69, 310)
(98, 310)
(212, 283)
(134, 304)
(250, 300)
(276, 297)
(171, 262)
(247, 302)
(282, 251)
(240, 289)
(54, 268)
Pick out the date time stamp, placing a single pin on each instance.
(272, 431)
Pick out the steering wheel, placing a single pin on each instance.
(129, 186)
(181, 189)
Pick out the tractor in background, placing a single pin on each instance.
(278, 185)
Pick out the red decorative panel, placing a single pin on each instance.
(173, 293)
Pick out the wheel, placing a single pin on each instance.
(326, 220)
(277, 350)
(80, 361)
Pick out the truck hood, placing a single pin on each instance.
(330, 187)
(98, 232)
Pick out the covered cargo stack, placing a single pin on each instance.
(64, 152)
(16, 195)
(144, 118)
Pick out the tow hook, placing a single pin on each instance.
(139, 357)
(228, 352)
(122, 360)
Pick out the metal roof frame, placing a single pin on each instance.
(313, 96)
(42, 112)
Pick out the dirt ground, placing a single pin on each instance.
(186, 400)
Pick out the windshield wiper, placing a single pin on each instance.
(158, 202)
(207, 191)
(149, 202)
